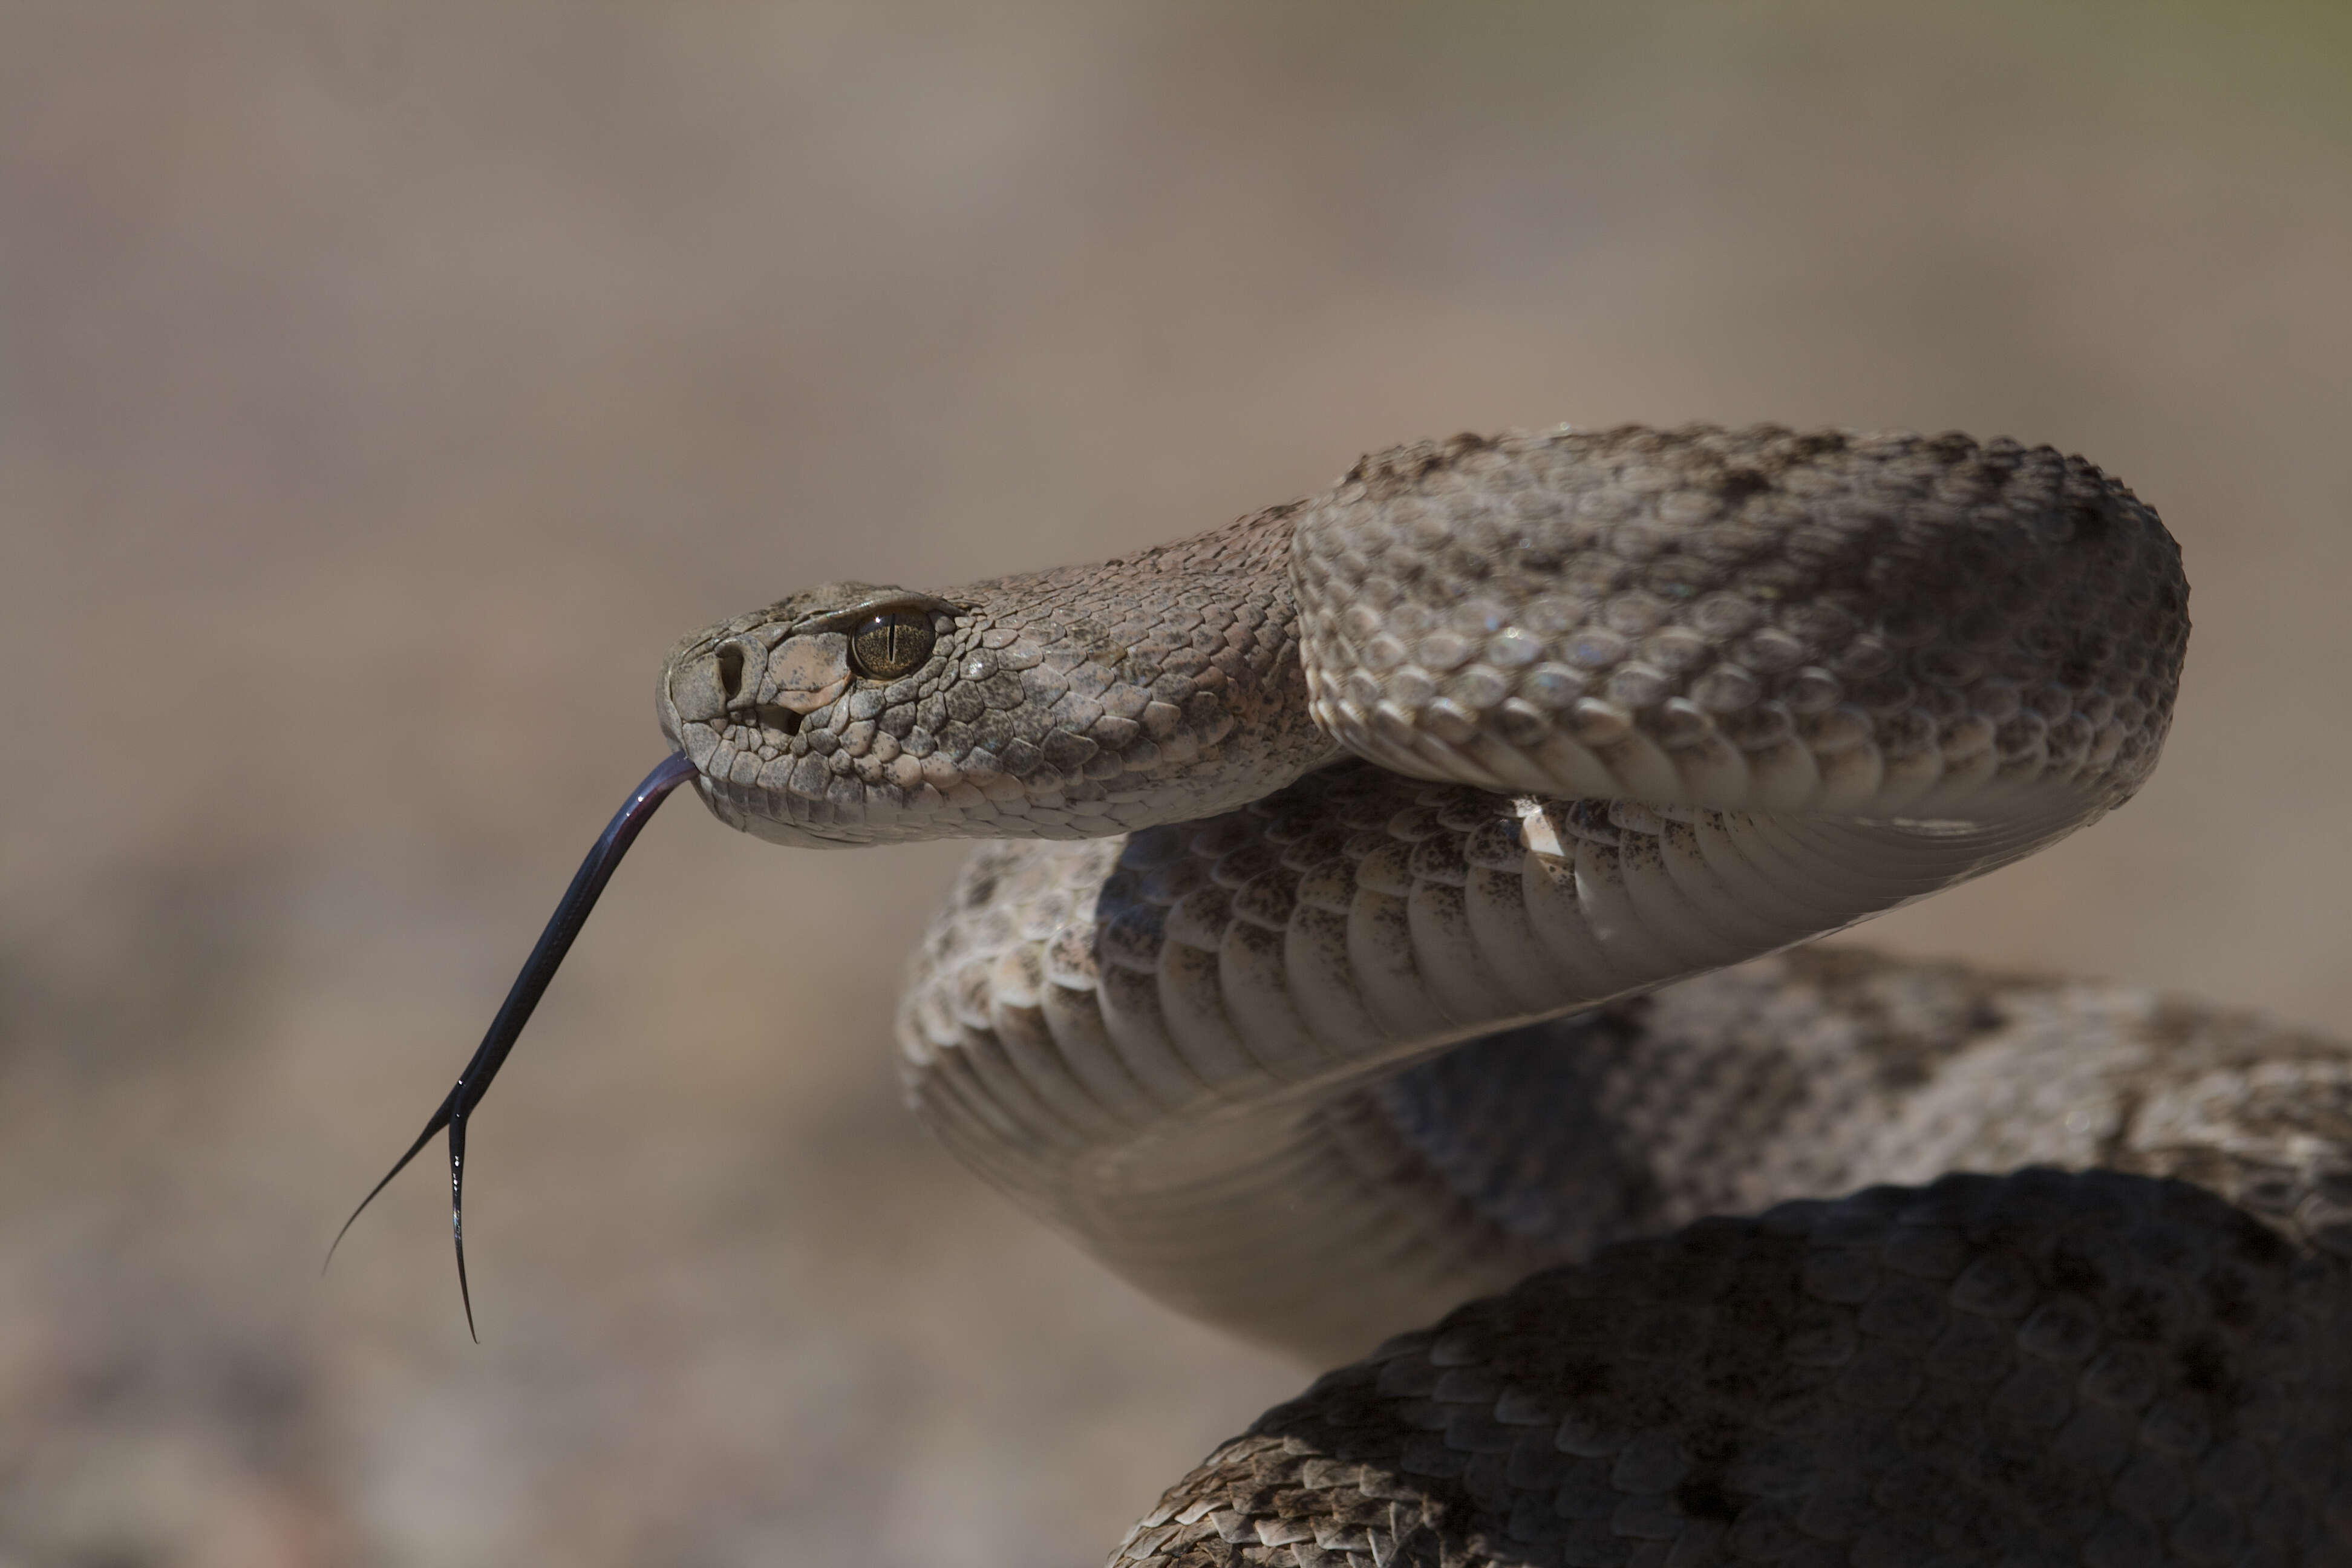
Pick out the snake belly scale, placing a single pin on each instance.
(1312, 980)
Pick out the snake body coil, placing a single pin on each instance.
(1314, 984)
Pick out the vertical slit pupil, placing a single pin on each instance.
(890, 645)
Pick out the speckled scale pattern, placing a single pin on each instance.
(2100, 1370)
(1754, 618)
(1813, 1072)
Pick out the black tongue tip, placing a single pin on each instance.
(546, 957)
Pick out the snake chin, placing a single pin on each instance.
(740, 809)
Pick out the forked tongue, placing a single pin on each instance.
(546, 957)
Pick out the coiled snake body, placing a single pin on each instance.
(1314, 982)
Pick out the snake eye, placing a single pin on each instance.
(889, 646)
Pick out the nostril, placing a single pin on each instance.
(730, 669)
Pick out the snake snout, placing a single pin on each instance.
(706, 686)
(700, 687)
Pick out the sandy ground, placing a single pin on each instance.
(384, 387)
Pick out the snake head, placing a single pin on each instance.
(1073, 704)
(780, 710)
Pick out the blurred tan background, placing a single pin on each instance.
(384, 386)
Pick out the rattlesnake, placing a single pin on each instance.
(1312, 981)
